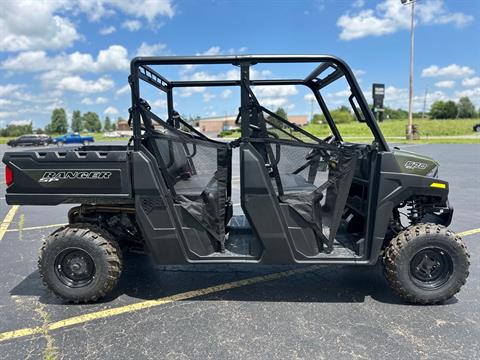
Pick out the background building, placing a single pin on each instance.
(214, 125)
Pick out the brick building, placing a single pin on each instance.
(214, 125)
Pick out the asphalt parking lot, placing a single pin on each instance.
(215, 312)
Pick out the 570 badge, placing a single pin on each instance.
(51, 176)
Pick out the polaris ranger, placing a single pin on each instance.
(304, 200)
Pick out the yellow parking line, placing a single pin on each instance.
(37, 227)
(7, 221)
(81, 319)
(102, 314)
(469, 232)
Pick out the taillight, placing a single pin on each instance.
(8, 176)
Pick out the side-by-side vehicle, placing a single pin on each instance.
(303, 199)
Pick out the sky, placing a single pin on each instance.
(76, 54)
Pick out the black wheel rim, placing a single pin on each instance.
(431, 268)
(74, 267)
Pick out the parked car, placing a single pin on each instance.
(73, 138)
(30, 140)
(476, 127)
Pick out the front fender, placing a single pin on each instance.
(395, 188)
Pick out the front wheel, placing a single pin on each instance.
(426, 264)
(86, 142)
(80, 263)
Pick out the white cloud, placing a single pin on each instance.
(123, 90)
(309, 97)
(445, 84)
(7, 114)
(271, 91)
(148, 9)
(398, 98)
(8, 89)
(214, 50)
(159, 103)
(111, 111)
(390, 16)
(20, 122)
(359, 72)
(115, 57)
(5, 102)
(226, 93)
(77, 84)
(473, 94)
(151, 49)
(342, 93)
(208, 96)
(132, 25)
(274, 102)
(32, 25)
(275, 96)
(473, 81)
(187, 92)
(107, 30)
(452, 70)
(98, 100)
(232, 74)
(358, 3)
(41, 25)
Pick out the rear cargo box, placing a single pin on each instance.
(92, 174)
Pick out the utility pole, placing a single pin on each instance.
(311, 109)
(424, 103)
(410, 95)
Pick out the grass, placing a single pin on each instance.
(431, 131)
(397, 128)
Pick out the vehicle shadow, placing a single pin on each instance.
(144, 281)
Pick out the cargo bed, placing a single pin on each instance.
(86, 174)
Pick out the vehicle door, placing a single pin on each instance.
(294, 186)
(27, 140)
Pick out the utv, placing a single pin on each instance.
(304, 199)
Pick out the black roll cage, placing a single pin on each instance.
(140, 69)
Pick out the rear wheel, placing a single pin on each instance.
(60, 143)
(426, 264)
(86, 142)
(80, 263)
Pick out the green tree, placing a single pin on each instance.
(280, 112)
(317, 119)
(14, 130)
(390, 113)
(114, 126)
(340, 115)
(466, 109)
(443, 110)
(77, 125)
(58, 122)
(107, 124)
(91, 122)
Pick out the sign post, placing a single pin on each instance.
(378, 94)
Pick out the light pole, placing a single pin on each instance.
(410, 95)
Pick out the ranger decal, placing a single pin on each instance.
(51, 176)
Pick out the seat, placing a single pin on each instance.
(180, 168)
(192, 186)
